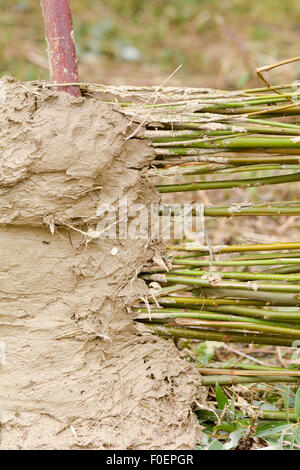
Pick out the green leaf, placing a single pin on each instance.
(226, 427)
(286, 400)
(235, 437)
(206, 350)
(268, 407)
(221, 397)
(297, 405)
(207, 415)
(296, 433)
(271, 429)
(232, 402)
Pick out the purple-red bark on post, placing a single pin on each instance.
(59, 36)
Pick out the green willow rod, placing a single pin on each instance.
(288, 318)
(171, 289)
(208, 102)
(232, 159)
(290, 254)
(237, 275)
(235, 248)
(266, 122)
(236, 142)
(258, 312)
(224, 151)
(214, 140)
(229, 123)
(215, 136)
(164, 135)
(232, 263)
(204, 169)
(195, 170)
(227, 101)
(276, 98)
(249, 286)
(245, 326)
(173, 137)
(274, 111)
(284, 270)
(295, 255)
(281, 416)
(256, 367)
(211, 380)
(226, 184)
(270, 88)
(264, 371)
(229, 108)
(269, 297)
(251, 168)
(163, 316)
(208, 335)
(278, 415)
(190, 302)
(198, 130)
(235, 211)
(225, 155)
(209, 163)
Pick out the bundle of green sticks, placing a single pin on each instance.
(246, 293)
(217, 140)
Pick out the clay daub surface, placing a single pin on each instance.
(78, 372)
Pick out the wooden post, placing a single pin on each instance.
(59, 36)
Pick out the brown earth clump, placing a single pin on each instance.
(77, 372)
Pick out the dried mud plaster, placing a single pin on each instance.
(77, 372)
